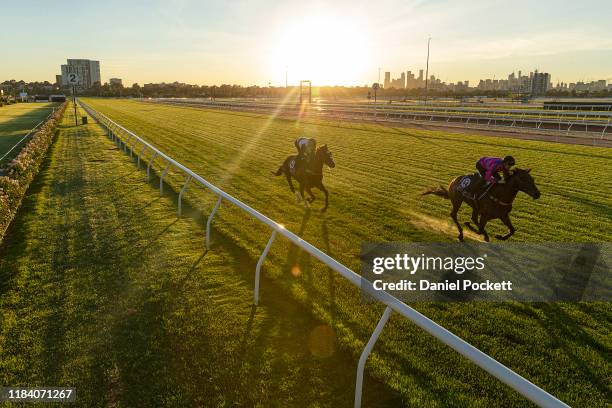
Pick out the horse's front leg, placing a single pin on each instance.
(324, 190)
(506, 220)
(310, 193)
(290, 182)
(474, 218)
(306, 203)
(453, 214)
(475, 214)
(481, 227)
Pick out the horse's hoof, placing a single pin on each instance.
(486, 238)
(501, 237)
(460, 237)
(467, 224)
(323, 210)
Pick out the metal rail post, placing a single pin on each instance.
(115, 138)
(144, 147)
(125, 143)
(209, 221)
(180, 197)
(161, 178)
(149, 165)
(366, 352)
(260, 262)
(132, 147)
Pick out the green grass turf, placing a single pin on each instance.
(561, 347)
(375, 197)
(18, 119)
(104, 289)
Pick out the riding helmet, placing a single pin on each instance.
(509, 160)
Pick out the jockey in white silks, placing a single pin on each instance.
(305, 147)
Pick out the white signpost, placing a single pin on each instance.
(73, 79)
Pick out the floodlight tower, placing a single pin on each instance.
(427, 71)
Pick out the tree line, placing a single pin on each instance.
(182, 90)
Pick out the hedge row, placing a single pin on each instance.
(19, 173)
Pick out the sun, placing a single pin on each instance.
(325, 49)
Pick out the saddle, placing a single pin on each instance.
(465, 184)
(295, 166)
(292, 165)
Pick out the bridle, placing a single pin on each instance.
(327, 155)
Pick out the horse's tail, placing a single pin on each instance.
(278, 172)
(439, 191)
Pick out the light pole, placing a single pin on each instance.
(427, 71)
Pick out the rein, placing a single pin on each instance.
(498, 201)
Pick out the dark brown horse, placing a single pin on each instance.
(496, 203)
(307, 174)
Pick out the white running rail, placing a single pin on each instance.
(27, 134)
(125, 138)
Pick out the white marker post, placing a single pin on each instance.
(73, 79)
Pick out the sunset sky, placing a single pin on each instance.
(335, 42)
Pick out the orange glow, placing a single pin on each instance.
(296, 271)
(324, 49)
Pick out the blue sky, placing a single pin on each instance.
(341, 42)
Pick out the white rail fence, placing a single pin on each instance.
(27, 134)
(126, 139)
(518, 120)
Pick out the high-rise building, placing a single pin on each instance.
(87, 70)
(539, 83)
(420, 75)
(387, 83)
(115, 81)
(411, 82)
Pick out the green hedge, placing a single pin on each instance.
(19, 173)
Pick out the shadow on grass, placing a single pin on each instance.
(280, 313)
(566, 333)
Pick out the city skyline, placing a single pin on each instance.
(258, 43)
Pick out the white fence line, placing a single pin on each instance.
(27, 134)
(380, 113)
(122, 136)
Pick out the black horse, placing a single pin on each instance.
(308, 174)
(496, 203)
